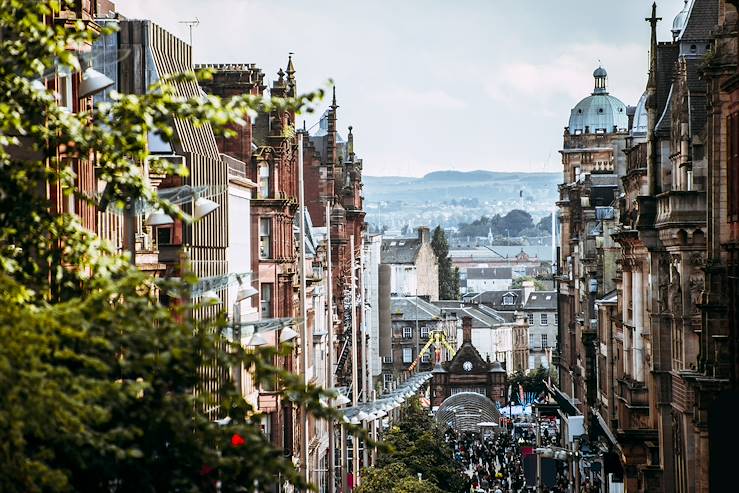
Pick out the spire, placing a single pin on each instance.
(290, 66)
(350, 144)
(333, 100)
(651, 105)
(291, 74)
(653, 20)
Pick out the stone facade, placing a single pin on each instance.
(651, 363)
(468, 372)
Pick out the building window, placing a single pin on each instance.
(266, 301)
(164, 235)
(556, 319)
(544, 342)
(407, 355)
(264, 180)
(532, 340)
(265, 237)
(531, 318)
(407, 332)
(544, 319)
(508, 299)
(733, 167)
(387, 380)
(64, 89)
(424, 331)
(387, 359)
(426, 358)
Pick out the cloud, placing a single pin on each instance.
(433, 99)
(567, 75)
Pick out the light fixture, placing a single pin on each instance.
(93, 82)
(245, 292)
(158, 218)
(210, 298)
(256, 340)
(287, 334)
(203, 207)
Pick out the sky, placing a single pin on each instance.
(434, 85)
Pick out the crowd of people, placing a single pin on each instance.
(494, 462)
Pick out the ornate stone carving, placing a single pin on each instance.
(696, 284)
(663, 282)
(676, 291)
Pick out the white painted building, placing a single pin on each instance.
(371, 258)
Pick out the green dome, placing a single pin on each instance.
(599, 112)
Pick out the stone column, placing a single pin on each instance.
(626, 321)
(638, 316)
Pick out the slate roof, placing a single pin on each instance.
(702, 19)
(666, 57)
(413, 308)
(494, 299)
(542, 300)
(400, 250)
(484, 315)
(490, 273)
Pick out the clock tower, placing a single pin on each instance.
(468, 372)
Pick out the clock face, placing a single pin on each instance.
(467, 365)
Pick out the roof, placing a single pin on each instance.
(494, 299)
(542, 300)
(702, 19)
(490, 273)
(413, 308)
(639, 127)
(610, 298)
(666, 57)
(600, 112)
(400, 250)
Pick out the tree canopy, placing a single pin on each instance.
(102, 383)
(416, 446)
(511, 224)
(448, 274)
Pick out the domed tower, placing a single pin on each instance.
(681, 19)
(600, 112)
(593, 163)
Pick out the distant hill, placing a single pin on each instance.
(449, 185)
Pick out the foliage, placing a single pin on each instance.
(545, 223)
(448, 274)
(518, 283)
(103, 388)
(512, 224)
(416, 445)
(533, 381)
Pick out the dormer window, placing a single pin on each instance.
(509, 299)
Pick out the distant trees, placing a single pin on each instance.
(545, 224)
(518, 283)
(448, 274)
(512, 224)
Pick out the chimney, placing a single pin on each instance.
(423, 234)
(466, 330)
(528, 288)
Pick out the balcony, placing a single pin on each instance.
(681, 209)
(634, 394)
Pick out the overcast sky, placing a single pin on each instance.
(434, 84)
